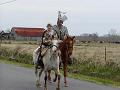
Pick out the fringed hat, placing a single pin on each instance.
(62, 18)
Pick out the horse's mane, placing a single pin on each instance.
(62, 44)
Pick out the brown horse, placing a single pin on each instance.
(66, 48)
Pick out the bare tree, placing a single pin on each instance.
(113, 35)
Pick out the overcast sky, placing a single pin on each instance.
(84, 16)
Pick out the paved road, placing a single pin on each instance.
(19, 78)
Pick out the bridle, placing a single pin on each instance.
(53, 46)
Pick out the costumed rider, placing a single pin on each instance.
(59, 30)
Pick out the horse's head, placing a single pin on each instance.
(69, 44)
(55, 44)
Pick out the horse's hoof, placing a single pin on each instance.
(66, 85)
(38, 84)
(49, 81)
(57, 88)
(45, 89)
(54, 80)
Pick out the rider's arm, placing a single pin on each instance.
(55, 31)
(66, 33)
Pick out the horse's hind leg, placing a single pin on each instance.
(36, 74)
(45, 78)
(40, 73)
(58, 86)
(54, 80)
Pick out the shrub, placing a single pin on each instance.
(109, 70)
(15, 54)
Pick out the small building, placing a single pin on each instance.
(24, 33)
(5, 35)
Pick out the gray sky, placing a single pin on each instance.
(84, 16)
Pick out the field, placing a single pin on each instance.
(83, 51)
(92, 59)
(98, 52)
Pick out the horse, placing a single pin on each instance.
(66, 48)
(51, 60)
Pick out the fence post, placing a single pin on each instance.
(105, 54)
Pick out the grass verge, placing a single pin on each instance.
(96, 80)
(6, 61)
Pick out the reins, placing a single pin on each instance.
(53, 46)
(49, 47)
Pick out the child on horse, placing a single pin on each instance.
(46, 42)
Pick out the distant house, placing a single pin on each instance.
(5, 35)
(23, 33)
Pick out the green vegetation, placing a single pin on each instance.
(88, 61)
(109, 70)
(109, 73)
(5, 60)
(95, 80)
(16, 55)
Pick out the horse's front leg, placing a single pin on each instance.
(49, 77)
(65, 73)
(58, 83)
(45, 78)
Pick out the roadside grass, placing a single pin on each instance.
(107, 73)
(6, 61)
(96, 80)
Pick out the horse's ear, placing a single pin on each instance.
(53, 37)
(73, 37)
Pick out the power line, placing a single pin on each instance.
(7, 2)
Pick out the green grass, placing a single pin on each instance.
(5, 60)
(97, 80)
(107, 74)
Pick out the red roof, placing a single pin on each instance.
(28, 32)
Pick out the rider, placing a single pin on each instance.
(47, 36)
(45, 43)
(60, 31)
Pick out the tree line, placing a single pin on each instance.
(112, 37)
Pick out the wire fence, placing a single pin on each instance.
(98, 52)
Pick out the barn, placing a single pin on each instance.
(24, 33)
